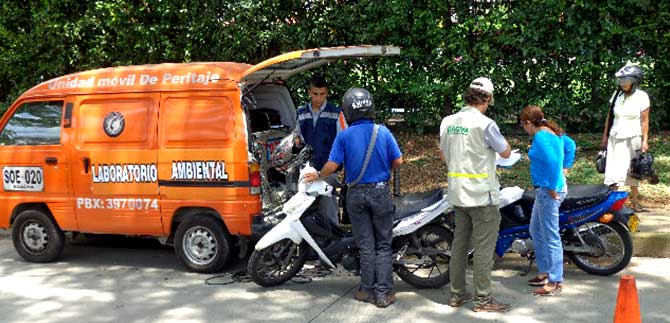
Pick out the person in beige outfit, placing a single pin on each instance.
(469, 141)
(626, 130)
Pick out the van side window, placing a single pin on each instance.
(34, 123)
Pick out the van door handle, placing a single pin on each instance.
(51, 160)
(87, 164)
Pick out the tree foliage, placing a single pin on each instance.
(559, 54)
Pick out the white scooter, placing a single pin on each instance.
(420, 240)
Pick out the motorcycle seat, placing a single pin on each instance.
(410, 204)
(582, 196)
(579, 196)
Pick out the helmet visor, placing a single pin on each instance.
(626, 80)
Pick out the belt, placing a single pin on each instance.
(371, 185)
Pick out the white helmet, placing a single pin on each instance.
(482, 83)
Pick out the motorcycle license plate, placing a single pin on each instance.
(633, 221)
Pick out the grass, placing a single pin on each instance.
(423, 169)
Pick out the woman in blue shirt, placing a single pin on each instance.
(546, 154)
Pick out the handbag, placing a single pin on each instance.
(642, 167)
(601, 161)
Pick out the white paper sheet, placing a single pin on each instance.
(508, 162)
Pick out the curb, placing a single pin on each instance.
(651, 244)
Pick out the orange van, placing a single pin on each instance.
(173, 151)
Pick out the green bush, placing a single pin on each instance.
(558, 54)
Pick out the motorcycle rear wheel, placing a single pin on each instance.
(417, 268)
(613, 244)
(277, 263)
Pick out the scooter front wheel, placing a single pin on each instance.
(425, 256)
(277, 263)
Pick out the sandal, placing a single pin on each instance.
(639, 209)
(554, 289)
(537, 281)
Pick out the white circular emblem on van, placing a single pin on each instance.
(114, 124)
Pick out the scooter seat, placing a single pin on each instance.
(579, 196)
(410, 204)
(582, 196)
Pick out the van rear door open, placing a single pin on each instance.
(285, 65)
(114, 163)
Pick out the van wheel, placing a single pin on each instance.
(202, 244)
(36, 237)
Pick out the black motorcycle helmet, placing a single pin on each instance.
(630, 73)
(358, 104)
(642, 167)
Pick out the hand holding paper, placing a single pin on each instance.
(508, 162)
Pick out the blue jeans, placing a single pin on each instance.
(544, 231)
(371, 214)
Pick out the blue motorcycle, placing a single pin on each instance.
(594, 226)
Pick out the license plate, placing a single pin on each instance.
(25, 179)
(633, 221)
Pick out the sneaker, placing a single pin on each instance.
(492, 306)
(458, 300)
(362, 295)
(386, 301)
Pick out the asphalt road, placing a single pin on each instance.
(136, 280)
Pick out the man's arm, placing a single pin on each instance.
(507, 152)
(395, 164)
(297, 135)
(328, 169)
(496, 141)
(335, 159)
(393, 149)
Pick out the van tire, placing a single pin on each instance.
(202, 244)
(36, 237)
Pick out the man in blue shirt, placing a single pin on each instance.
(369, 201)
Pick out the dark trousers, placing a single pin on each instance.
(371, 212)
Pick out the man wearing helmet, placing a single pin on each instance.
(468, 143)
(368, 152)
(626, 130)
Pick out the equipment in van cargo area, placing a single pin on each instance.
(180, 152)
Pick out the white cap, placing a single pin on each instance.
(482, 83)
